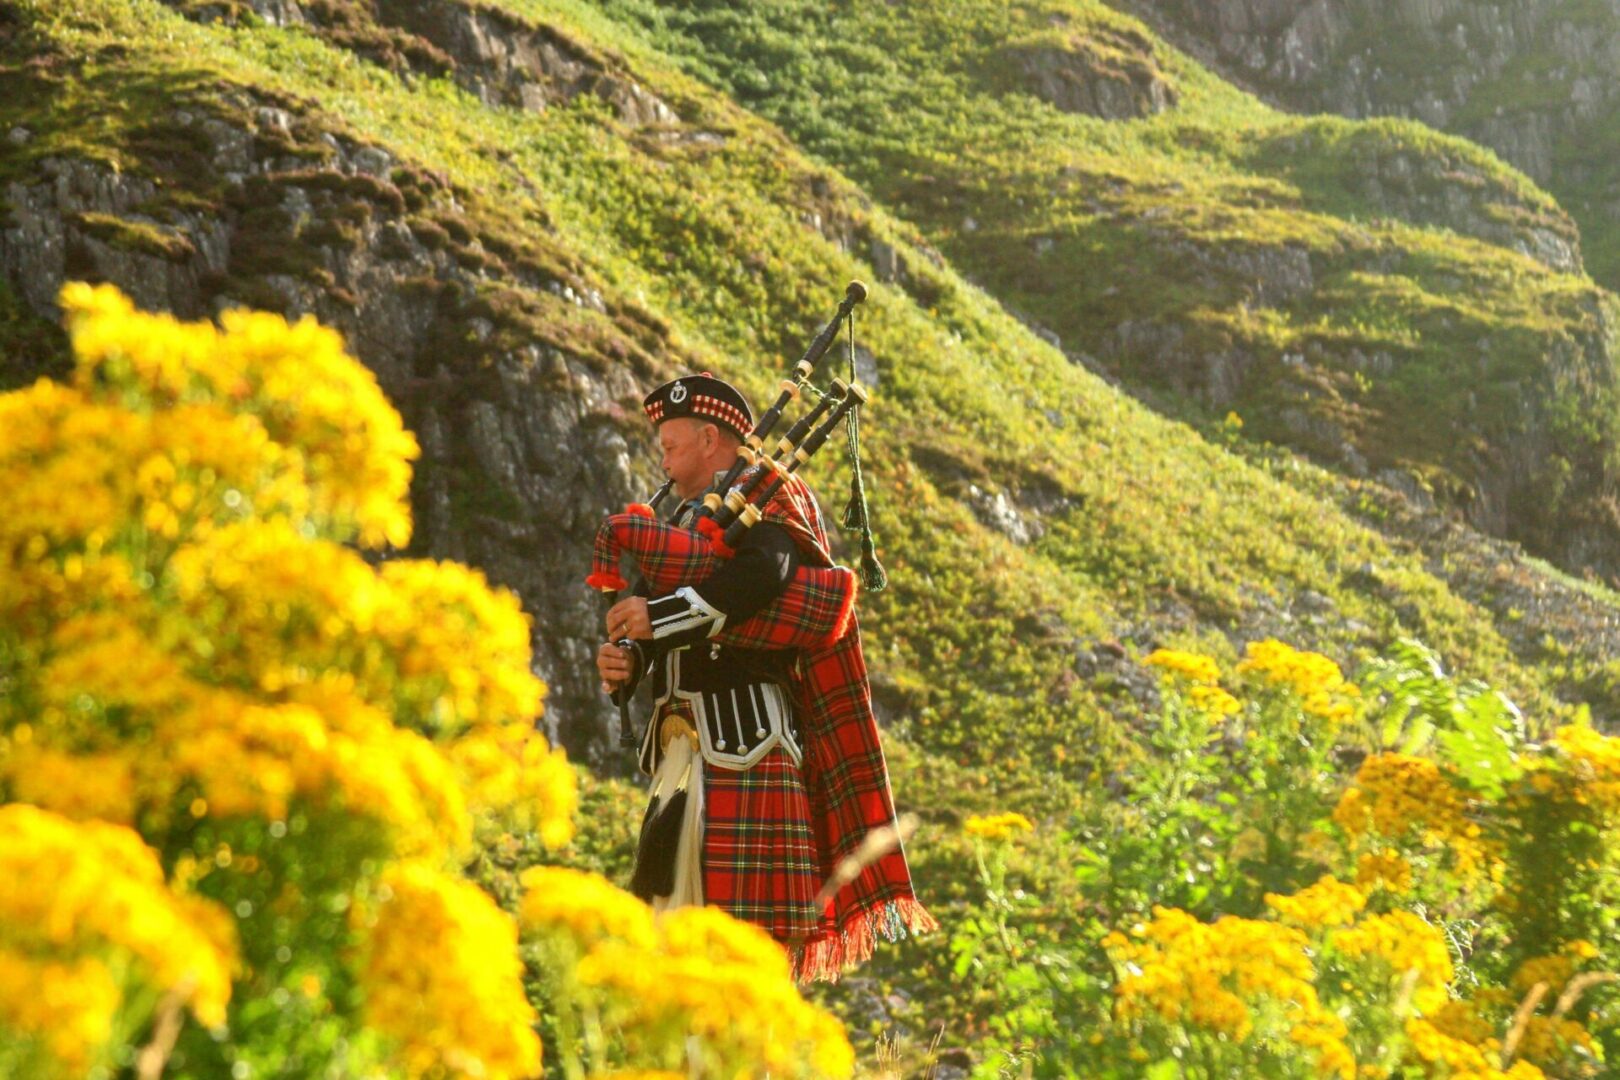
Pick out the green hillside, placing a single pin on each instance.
(1375, 293)
(552, 239)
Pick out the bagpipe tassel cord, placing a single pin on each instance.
(856, 514)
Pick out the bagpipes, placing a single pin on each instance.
(814, 610)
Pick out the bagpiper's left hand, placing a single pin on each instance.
(628, 619)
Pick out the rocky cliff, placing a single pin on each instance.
(505, 355)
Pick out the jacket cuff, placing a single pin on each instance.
(683, 611)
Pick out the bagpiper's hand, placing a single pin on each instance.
(628, 619)
(613, 664)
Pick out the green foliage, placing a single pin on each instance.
(1475, 730)
(1257, 797)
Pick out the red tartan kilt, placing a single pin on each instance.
(812, 612)
(759, 852)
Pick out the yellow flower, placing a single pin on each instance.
(1548, 1040)
(1404, 943)
(1327, 903)
(584, 905)
(1594, 759)
(296, 379)
(1383, 869)
(106, 902)
(442, 978)
(711, 933)
(1193, 667)
(1220, 976)
(997, 826)
(1554, 970)
(1213, 700)
(189, 638)
(1461, 1059)
(69, 1005)
(1314, 678)
(510, 771)
(692, 971)
(1396, 795)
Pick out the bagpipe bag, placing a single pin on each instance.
(813, 611)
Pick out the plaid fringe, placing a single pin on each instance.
(825, 959)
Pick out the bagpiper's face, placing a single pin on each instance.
(689, 448)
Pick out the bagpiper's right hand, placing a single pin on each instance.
(613, 664)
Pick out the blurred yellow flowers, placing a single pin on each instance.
(997, 826)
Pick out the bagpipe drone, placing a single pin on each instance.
(813, 611)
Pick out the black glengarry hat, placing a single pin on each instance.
(702, 396)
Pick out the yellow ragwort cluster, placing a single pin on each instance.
(1219, 976)
(1404, 943)
(1201, 678)
(692, 971)
(1190, 666)
(294, 379)
(187, 637)
(587, 907)
(1594, 758)
(1318, 682)
(1396, 795)
(442, 977)
(1329, 902)
(518, 779)
(82, 900)
(1383, 870)
(1459, 1059)
(1002, 826)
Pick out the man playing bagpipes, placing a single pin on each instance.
(767, 770)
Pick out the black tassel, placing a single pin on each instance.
(655, 854)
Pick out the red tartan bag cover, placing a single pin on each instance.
(844, 770)
(814, 611)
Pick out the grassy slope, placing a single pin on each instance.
(1169, 539)
(1088, 225)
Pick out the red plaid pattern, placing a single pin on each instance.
(759, 855)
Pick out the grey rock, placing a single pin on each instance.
(372, 161)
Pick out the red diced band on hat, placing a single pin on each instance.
(723, 411)
(655, 411)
